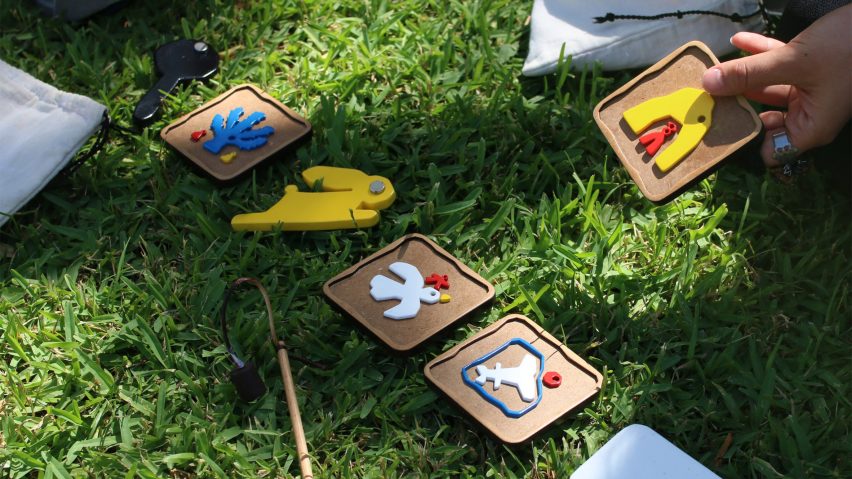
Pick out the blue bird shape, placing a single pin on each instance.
(236, 132)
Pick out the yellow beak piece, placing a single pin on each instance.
(445, 298)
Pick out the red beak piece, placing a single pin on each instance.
(652, 141)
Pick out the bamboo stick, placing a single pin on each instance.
(295, 417)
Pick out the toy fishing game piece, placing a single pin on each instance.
(667, 131)
(526, 377)
(176, 62)
(410, 292)
(237, 132)
(514, 378)
(247, 381)
(230, 134)
(388, 293)
(691, 107)
(350, 199)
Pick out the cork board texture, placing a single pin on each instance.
(288, 128)
(579, 381)
(733, 124)
(352, 290)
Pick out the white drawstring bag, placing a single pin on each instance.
(41, 129)
(630, 43)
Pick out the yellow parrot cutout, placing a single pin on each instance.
(691, 107)
(350, 199)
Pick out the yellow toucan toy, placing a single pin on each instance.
(691, 107)
(349, 199)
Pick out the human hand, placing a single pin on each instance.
(811, 76)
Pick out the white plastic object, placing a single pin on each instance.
(522, 377)
(411, 293)
(638, 452)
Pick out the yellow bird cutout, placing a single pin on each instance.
(691, 107)
(349, 199)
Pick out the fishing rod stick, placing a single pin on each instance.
(286, 377)
(295, 417)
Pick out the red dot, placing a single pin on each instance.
(552, 379)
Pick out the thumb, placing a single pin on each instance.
(773, 67)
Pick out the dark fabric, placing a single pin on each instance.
(76, 10)
(800, 14)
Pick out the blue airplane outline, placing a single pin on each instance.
(493, 400)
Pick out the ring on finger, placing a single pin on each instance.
(783, 150)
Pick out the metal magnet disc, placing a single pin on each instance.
(377, 187)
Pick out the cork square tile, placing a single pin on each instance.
(184, 134)
(404, 269)
(481, 374)
(734, 123)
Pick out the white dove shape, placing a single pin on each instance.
(410, 293)
(522, 377)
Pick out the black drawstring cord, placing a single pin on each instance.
(103, 136)
(734, 17)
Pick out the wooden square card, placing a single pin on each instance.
(408, 291)
(235, 131)
(514, 378)
(667, 131)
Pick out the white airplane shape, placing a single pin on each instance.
(524, 377)
(410, 293)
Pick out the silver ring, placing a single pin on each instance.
(783, 151)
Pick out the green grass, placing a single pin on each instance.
(723, 312)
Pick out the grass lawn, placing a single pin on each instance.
(723, 313)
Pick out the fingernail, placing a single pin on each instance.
(712, 80)
(731, 40)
